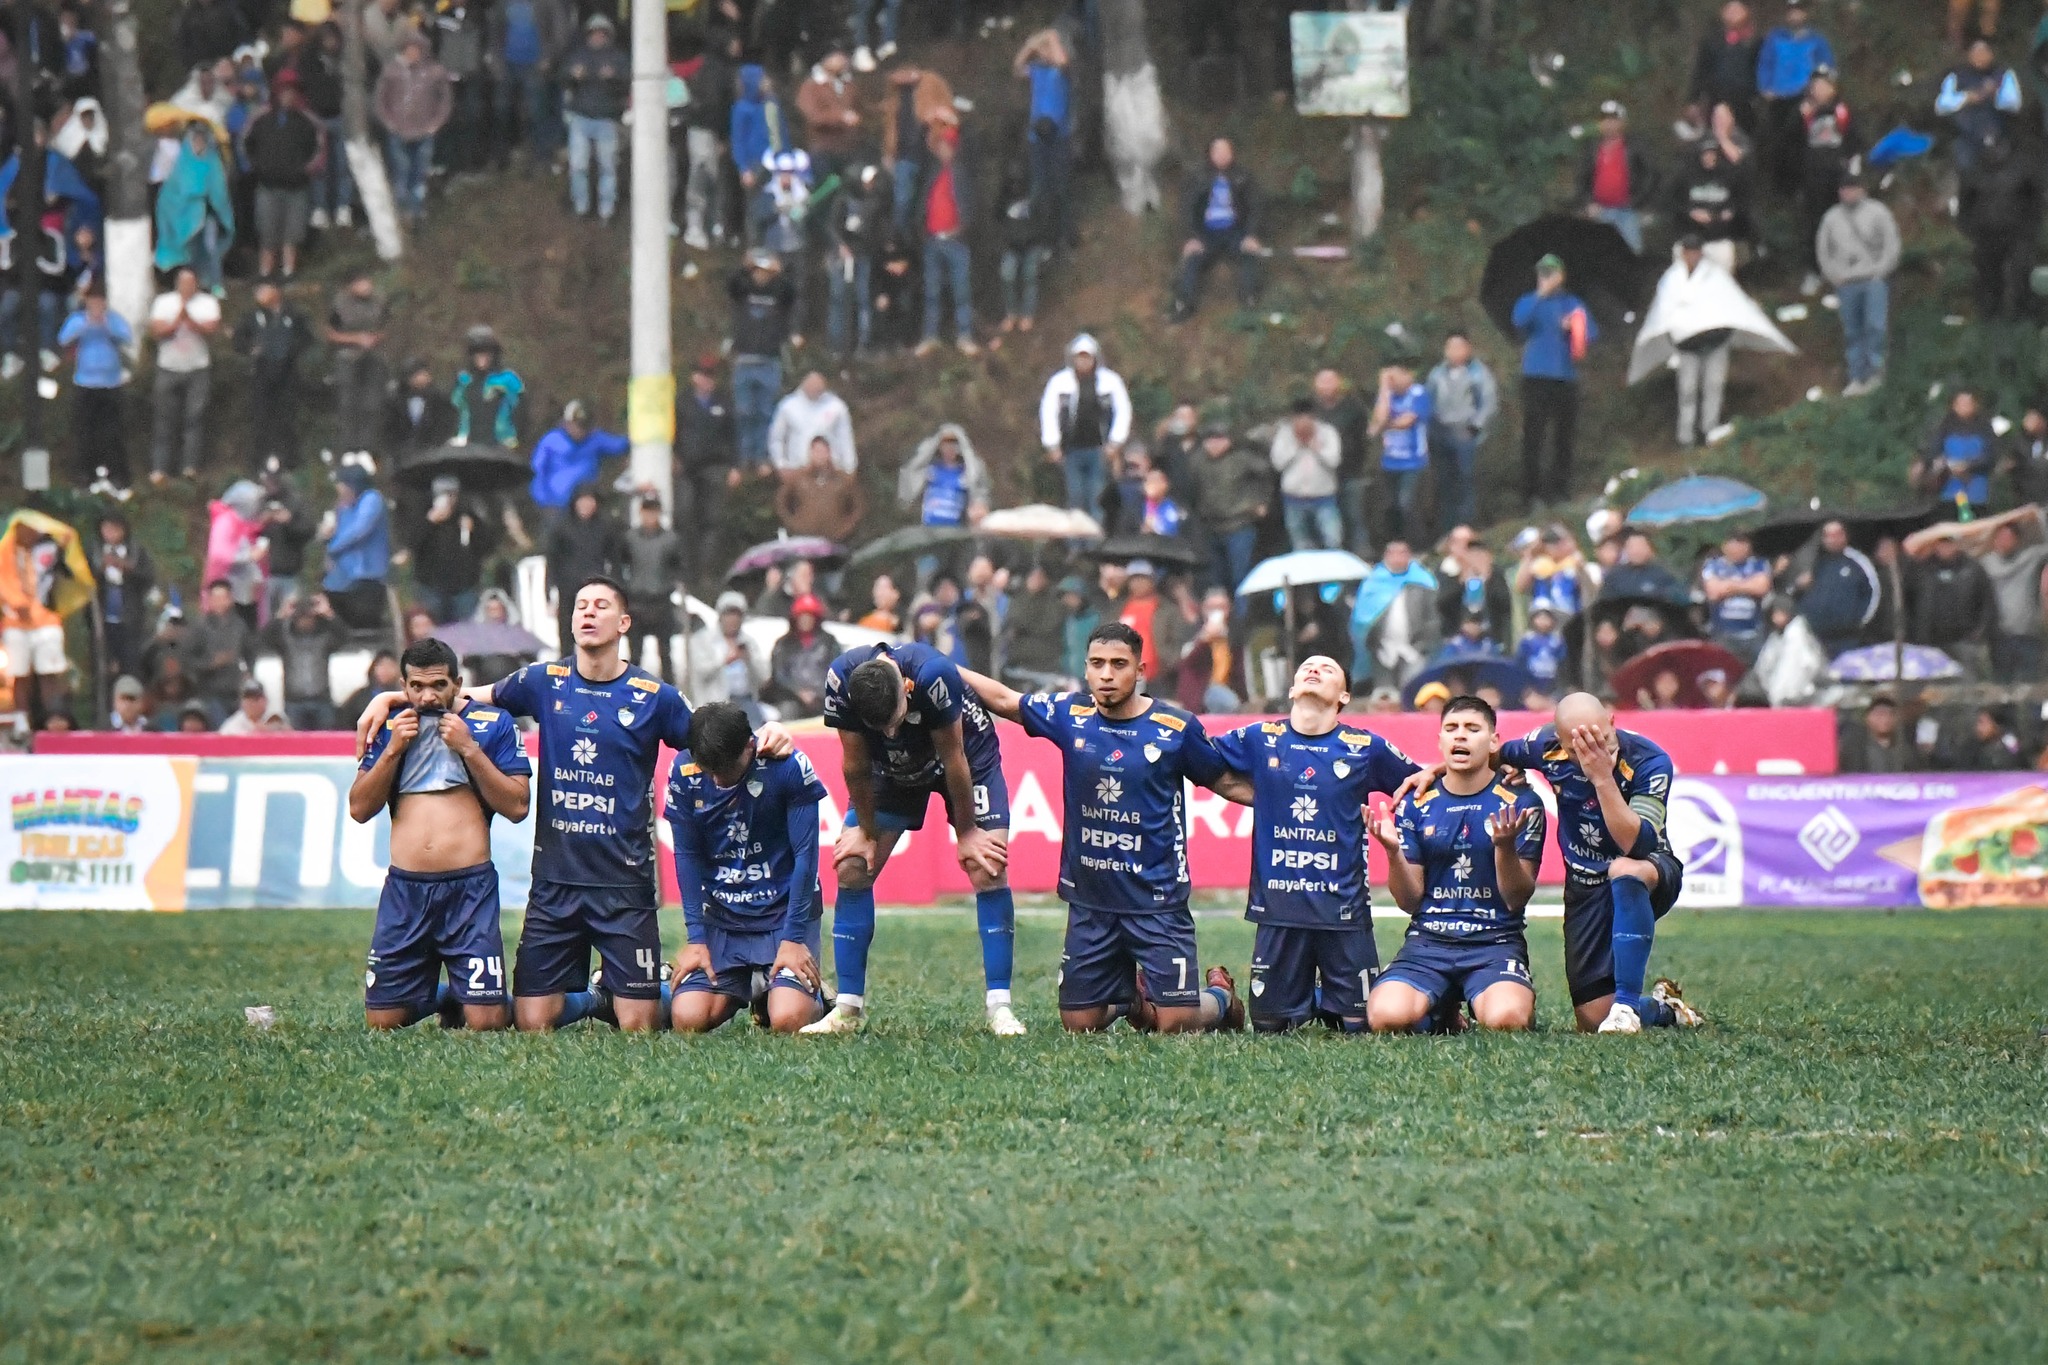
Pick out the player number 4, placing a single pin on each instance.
(645, 957)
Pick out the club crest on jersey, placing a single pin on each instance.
(1151, 753)
(754, 787)
(1341, 768)
(625, 715)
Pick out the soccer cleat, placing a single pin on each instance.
(1669, 992)
(1219, 978)
(1004, 1023)
(842, 1019)
(1621, 1019)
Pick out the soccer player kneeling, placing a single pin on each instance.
(746, 837)
(444, 766)
(1461, 860)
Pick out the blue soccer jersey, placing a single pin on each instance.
(1126, 850)
(1444, 836)
(429, 765)
(938, 698)
(747, 855)
(1308, 811)
(598, 746)
(1642, 771)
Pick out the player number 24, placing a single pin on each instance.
(478, 966)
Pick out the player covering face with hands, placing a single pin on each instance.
(602, 724)
(1462, 853)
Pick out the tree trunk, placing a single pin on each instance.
(1133, 115)
(1368, 181)
(365, 163)
(130, 273)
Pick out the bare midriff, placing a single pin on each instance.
(440, 831)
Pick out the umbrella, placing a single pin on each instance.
(1158, 549)
(1897, 145)
(1599, 268)
(1880, 663)
(1465, 676)
(1687, 658)
(1303, 567)
(62, 560)
(1781, 535)
(817, 549)
(903, 543)
(1699, 497)
(482, 468)
(1040, 521)
(1692, 306)
(469, 638)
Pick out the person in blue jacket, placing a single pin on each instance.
(1556, 328)
(567, 458)
(1785, 63)
(359, 550)
(758, 127)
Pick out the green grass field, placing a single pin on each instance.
(1850, 1163)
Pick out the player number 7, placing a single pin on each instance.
(1180, 982)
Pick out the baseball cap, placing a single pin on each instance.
(252, 687)
(807, 603)
(1550, 263)
(731, 601)
(1429, 692)
(127, 685)
(1140, 566)
(1613, 109)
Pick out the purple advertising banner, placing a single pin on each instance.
(1945, 841)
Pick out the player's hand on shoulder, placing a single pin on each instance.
(405, 728)
(373, 718)
(691, 957)
(796, 959)
(773, 740)
(1416, 781)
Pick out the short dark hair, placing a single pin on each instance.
(430, 652)
(873, 690)
(719, 735)
(1117, 633)
(603, 581)
(1468, 702)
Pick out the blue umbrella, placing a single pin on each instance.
(1897, 145)
(1697, 497)
(1882, 663)
(1505, 676)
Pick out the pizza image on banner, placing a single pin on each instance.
(95, 833)
(1993, 854)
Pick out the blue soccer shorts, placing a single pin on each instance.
(1589, 926)
(902, 806)
(739, 958)
(426, 919)
(1454, 973)
(563, 923)
(1105, 950)
(1289, 963)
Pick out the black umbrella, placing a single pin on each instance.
(1598, 267)
(909, 541)
(1785, 534)
(482, 468)
(1158, 549)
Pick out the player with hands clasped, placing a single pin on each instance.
(746, 849)
(909, 729)
(602, 724)
(1621, 876)
(443, 765)
(1462, 853)
(1308, 779)
(1130, 950)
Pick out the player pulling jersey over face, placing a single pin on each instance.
(442, 768)
(1309, 779)
(1621, 876)
(1462, 855)
(746, 850)
(1123, 864)
(910, 729)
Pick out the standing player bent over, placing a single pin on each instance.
(909, 729)
(1307, 780)
(746, 841)
(1130, 950)
(456, 764)
(1462, 855)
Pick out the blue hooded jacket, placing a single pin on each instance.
(359, 551)
(1786, 61)
(1546, 344)
(758, 127)
(197, 184)
(562, 464)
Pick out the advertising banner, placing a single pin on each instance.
(1350, 65)
(95, 833)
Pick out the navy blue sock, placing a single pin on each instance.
(1220, 998)
(995, 914)
(1635, 925)
(853, 932)
(580, 1005)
